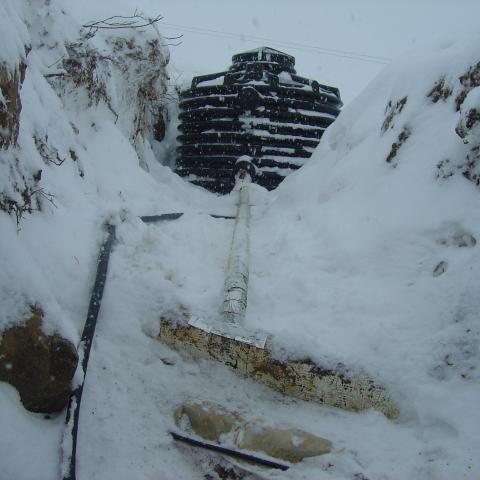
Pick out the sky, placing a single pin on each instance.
(343, 43)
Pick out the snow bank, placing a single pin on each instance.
(368, 253)
(13, 35)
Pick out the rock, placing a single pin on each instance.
(206, 420)
(40, 367)
(211, 421)
(291, 444)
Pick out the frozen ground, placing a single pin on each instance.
(343, 262)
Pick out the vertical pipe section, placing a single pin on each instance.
(236, 280)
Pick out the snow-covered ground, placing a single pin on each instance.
(344, 266)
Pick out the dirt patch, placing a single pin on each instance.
(468, 127)
(27, 198)
(469, 80)
(440, 91)
(391, 111)
(402, 138)
(10, 86)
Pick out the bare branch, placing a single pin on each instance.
(115, 22)
(42, 193)
(135, 21)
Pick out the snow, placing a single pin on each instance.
(343, 256)
(29, 444)
(364, 239)
(13, 35)
(285, 77)
(211, 83)
(261, 50)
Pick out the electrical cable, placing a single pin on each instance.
(293, 45)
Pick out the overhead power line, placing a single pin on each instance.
(292, 45)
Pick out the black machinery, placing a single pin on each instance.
(261, 108)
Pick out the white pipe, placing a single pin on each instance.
(236, 281)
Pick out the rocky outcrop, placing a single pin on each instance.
(10, 103)
(23, 195)
(468, 127)
(39, 366)
(464, 93)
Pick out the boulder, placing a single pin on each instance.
(289, 444)
(211, 421)
(206, 420)
(40, 367)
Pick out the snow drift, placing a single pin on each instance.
(377, 236)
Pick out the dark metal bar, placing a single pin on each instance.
(227, 217)
(229, 451)
(160, 218)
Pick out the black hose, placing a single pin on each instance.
(73, 411)
(160, 218)
(228, 451)
(174, 216)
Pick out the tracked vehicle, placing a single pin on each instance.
(259, 107)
